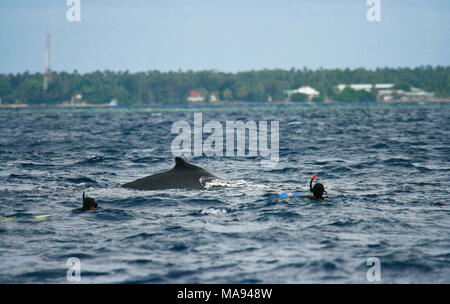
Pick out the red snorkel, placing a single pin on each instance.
(310, 183)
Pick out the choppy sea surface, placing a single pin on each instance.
(386, 168)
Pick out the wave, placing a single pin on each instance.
(92, 160)
(213, 211)
(382, 181)
(81, 180)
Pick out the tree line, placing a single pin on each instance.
(173, 87)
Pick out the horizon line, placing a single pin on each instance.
(296, 69)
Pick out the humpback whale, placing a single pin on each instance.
(183, 175)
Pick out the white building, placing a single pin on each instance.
(366, 86)
(308, 91)
(213, 98)
(304, 90)
(362, 86)
(384, 86)
(76, 99)
(195, 97)
(416, 92)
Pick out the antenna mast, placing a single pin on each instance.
(48, 71)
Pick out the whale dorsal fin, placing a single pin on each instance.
(180, 162)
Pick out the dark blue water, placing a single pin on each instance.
(385, 166)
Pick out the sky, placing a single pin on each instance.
(222, 35)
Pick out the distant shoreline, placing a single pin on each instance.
(107, 105)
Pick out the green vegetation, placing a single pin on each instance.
(299, 97)
(173, 87)
(349, 94)
(317, 99)
(402, 86)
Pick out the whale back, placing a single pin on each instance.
(182, 175)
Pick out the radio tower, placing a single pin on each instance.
(48, 71)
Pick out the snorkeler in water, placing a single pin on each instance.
(316, 192)
(88, 204)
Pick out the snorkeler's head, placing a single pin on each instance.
(318, 190)
(89, 203)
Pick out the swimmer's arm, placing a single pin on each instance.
(311, 197)
(290, 194)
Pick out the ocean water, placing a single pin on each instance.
(385, 167)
